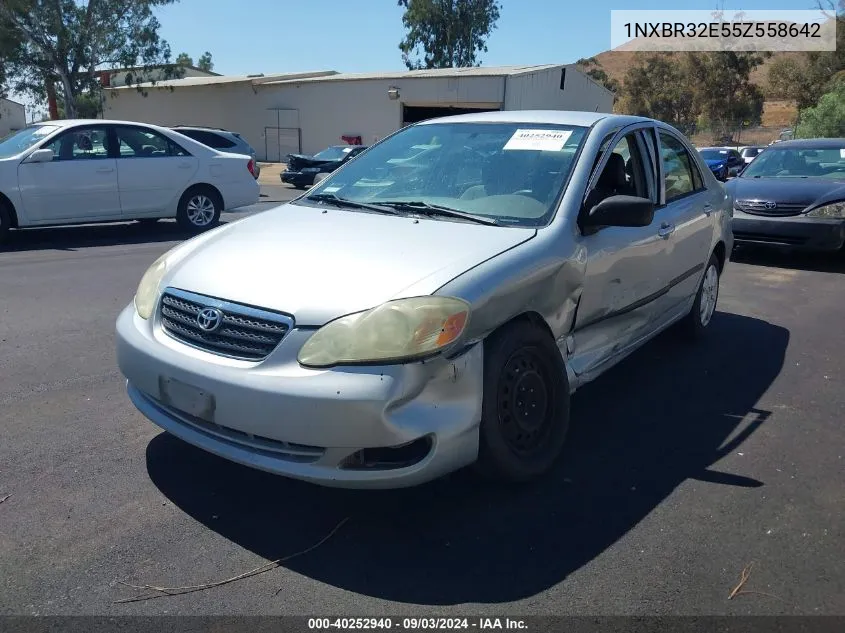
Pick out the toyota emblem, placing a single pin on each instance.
(771, 205)
(209, 319)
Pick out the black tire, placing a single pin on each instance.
(515, 451)
(695, 323)
(5, 222)
(199, 209)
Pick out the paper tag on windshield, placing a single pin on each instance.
(331, 189)
(542, 140)
(842, 153)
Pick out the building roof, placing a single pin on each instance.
(11, 101)
(474, 71)
(185, 82)
(129, 69)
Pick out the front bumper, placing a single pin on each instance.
(798, 232)
(301, 423)
(298, 178)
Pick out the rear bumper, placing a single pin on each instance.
(798, 232)
(241, 194)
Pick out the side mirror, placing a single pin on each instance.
(620, 211)
(40, 156)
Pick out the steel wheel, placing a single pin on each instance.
(524, 412)
(709, 294)
(525, 404)
(200, 210)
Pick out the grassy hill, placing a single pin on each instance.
(776, 113)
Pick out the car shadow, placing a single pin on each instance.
(71, 238)
(661, 417)
(775, 257)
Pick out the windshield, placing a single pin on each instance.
(798, 163)
(507, 172)
(22, 140)
(333, 153)
(714, 154)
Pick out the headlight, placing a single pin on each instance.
(397, 330)
(834, 211)
(147, 293)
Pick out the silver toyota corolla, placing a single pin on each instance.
(404, 319)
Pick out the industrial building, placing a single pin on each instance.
(306, 112)
(12, 116)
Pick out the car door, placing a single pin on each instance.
(153, 171)
(79, 184)
(624, 276)
(687, 220)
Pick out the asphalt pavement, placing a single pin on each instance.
(685, 464)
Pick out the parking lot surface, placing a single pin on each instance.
(685, 464)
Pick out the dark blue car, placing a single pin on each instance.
(722, 161)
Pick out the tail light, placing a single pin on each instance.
(251, 167)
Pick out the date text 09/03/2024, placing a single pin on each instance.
(416, 624)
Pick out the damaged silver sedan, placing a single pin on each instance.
(409, 317)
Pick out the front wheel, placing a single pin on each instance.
(525, 406)
(199, 209)
(704, 306)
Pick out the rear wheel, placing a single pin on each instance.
(199, 209)
(704, 306)
(525, 407)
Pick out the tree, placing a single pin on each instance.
(805, 77)
(183, 59)
(827, 119)
(205, 62)
(65, 42)
(655, 86)
(592, 68)
(450, 33)
(724, 96)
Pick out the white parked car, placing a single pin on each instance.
(81, 171)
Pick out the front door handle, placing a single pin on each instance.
(666, 230)
(105, 170)
(708, 208)
(184, 165)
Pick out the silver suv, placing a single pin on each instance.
(219, 139)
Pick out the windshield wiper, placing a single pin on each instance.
(418, 206)
(337, 201)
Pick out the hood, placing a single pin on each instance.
(318, 264)
(715, 162)
(794, 191)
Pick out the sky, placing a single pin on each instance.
(276, 36)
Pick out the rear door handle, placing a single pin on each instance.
(666, 230)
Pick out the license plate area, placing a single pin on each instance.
(186, 398)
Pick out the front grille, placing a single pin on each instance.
(244, 332)
(758, 207)
(745, 236)
(289, 451)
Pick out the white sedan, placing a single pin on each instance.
(81, 171)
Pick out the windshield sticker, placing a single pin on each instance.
(542, 140)
(331, 189)
(842, 153)
(346, 150)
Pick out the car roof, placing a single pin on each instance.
(813, 143)
(552, 117)
(203, 128)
